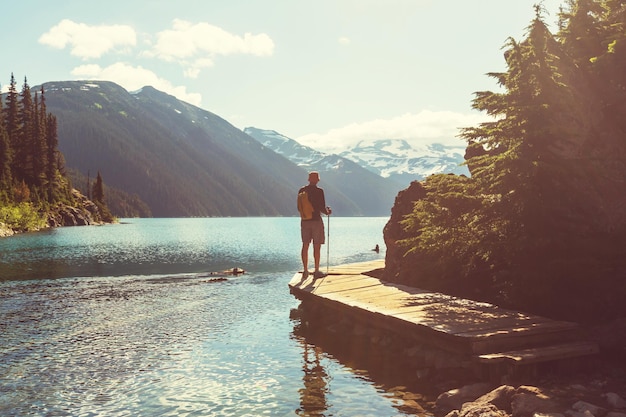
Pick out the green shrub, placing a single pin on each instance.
(22, 217)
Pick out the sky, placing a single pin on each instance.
(327, 73)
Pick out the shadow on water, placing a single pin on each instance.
(376, 357)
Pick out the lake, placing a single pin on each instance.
(127, 320)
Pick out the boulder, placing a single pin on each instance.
(478, 409)
(587, 408)
(615, 401)
(527, 401)
(454, 399)
(500, 397)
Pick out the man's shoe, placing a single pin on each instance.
(319, 274)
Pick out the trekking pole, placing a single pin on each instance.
(328, 244)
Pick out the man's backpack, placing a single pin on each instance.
(304, 206)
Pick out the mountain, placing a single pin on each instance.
(177, 159)
(299, 154)
(365, 188)
(397, 160)
(392, 159)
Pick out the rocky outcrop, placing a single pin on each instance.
(69, 216)
(529, 401)
(84, 213)
(394, 231)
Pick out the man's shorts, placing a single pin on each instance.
(312, 230)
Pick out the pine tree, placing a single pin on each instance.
(523, 162)
(607, 58)
(5, 161)
(98, 190)
(543, 210)
(12, 124)
(23, 162)
(582, 32)
(52, 157)
(518, 156)
(32, 170)
(38, 143)
(98, 199)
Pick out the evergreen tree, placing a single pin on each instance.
(12, 124)
(23, 163)
(52, 157)
(5, 161)
(38, 144)
(541, 211)
(508, 231)
(32, 170)
(607, 57)
(98, 190)
(582, 32)
(98, 199)
(515, 158)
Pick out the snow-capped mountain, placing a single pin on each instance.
(394, 159)
(299, 154)
(398, 160)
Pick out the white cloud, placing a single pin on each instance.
(133, 78)
(88, 42)
(418, 129)
(194, 46)
(187, 40)
(194, 68)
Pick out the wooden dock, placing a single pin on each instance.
(482, 332)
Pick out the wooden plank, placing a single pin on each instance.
(435, 310)
(326, 287)
(457, 318)
(356, 268)
(541, 354)
(446, 321)
(536, 325)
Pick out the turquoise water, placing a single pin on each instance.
(125, 320)
(171, 246)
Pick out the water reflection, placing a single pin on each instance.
(367, 354)
(313, 395)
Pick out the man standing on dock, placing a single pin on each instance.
(311, 205)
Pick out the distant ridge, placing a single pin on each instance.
(393, 159)
(178, 160)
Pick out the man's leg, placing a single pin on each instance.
(316, 255)
(305, 257)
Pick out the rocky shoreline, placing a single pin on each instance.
(429, 381)
(84, 213)
(589, 395)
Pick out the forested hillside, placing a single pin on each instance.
(175, 159)
(541, 223)
(34, 190)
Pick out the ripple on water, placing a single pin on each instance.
(176, 345)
